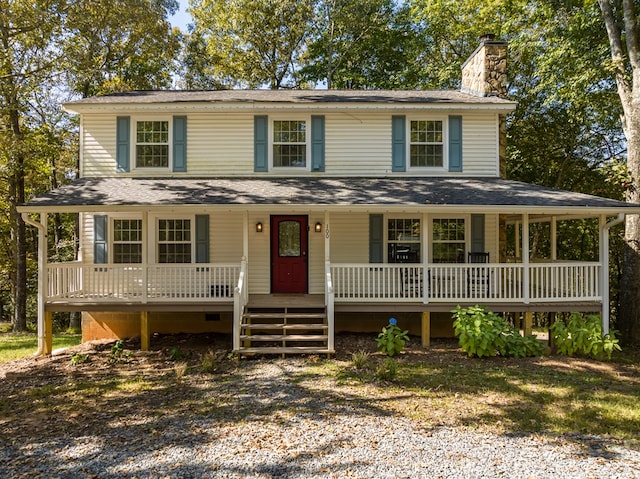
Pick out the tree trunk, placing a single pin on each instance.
(18, 226)
(628, 319)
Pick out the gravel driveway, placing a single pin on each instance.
(283, 431)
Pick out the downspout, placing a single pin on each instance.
(42, 259)
(604, 244)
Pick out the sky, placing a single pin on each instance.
(181, 18)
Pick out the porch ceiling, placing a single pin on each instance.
(428, 193)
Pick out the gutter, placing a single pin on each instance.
(42, 251)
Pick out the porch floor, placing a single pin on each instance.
(317, 301)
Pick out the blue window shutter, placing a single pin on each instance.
(202, 238)
(100, 239)
(398, 143)
(179, 143)
(376, 239)
(260, 143)
(317, 143)
(123, 144)
(477, 234)
(455, 143)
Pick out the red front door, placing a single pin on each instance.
(289, 254)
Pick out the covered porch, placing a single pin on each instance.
(417, 284)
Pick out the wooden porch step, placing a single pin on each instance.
(280, 315)
(297, 326)
(287, 350)
(283, 337)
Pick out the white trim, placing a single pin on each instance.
(445, 145)
(285, 170)
(134, 143)
(153, 235)
(467, 232)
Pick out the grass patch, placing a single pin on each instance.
(22, 345)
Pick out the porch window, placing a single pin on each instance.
(449, 241)
(403, 240)
(290, 143)
(152, 144)
(426, 146)
(127, 241)
(174, 241)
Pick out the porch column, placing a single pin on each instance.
(554, 239)
(145, 331)
(526, 279)
(528, 323)
(327, 237)
(329, 294)
(47, 346)
(426, 329)
(604, 267)
(145, 252)
(45, 338)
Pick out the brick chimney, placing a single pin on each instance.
(485, 72)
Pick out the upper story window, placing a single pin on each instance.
(403, 240)
(426, 144)
(449, 240)
(290, 143)
(152, 144)
(127, 241)
(174, 241)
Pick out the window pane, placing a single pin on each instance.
(289, 143)
(289, 237)
(448, 240)
(403, 240)
(426, 147)
(152, 144)
(174, 241)
(127, 241)
(289, 155)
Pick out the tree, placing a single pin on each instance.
(364, 44)
(250, 43)
(623, 30)
(116, 45)
(28, 56)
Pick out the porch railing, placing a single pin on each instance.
(132, 283)
(497, 282)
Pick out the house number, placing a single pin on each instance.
(326, 231)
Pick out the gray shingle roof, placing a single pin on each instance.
(399, 191)
(288, 96)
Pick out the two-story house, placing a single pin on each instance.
(284, 216)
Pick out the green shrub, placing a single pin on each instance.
(483, 333)
(387, 371)
(118, 353)
(79, 358)
(582, 335)
(209, 362)
(392, 339)
(360, 359)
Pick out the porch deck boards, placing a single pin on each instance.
(286, 300)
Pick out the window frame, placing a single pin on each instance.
(445, 143)
(155, 244)
(466, 242)
(387, 242)
(307, 143)
(134, 143)
(113, 242)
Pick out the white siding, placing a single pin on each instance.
(479, 145)
(356, 144)
(491, 237)
(349, 238)
(99, 145)
(225, 236)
